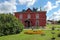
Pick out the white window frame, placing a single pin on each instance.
(29, 16)
(37, 22)
(20, 16)
(37, 16)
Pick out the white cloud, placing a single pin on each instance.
(8, 6)
(27, 2)
(57, 2)
(38, 9)
(55, 16)
(49, 6)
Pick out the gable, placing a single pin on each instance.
(28, 10)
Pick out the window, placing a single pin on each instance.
(37, 16)
(37, 22)
(20, 16)
(28, 16)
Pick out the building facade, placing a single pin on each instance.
(31, 18)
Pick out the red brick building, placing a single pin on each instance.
(30, 18)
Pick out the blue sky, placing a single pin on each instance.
(51, 6)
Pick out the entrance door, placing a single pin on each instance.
(27, 23)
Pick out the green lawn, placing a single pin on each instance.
(56, 25)
(23, 36)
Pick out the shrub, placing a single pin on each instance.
(9, 24)
(58, 22)
(58, 35)
(53, 28)
(53, 38)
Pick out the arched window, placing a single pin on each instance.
(37, 16)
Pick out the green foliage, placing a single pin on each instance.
(9, 24)
(59, 21)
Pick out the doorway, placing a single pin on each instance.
(27, 23)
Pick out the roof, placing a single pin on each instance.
(28, 10)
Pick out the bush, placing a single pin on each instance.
(58, 22)
(58, 35)
(53, 38)
(9, 24)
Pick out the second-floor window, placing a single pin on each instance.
(20, 16)
(29, 16)
(37, 16)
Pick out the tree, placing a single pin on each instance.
(9, 24)
(59, 21)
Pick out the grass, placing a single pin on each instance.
(56, 25)
(23, 36)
